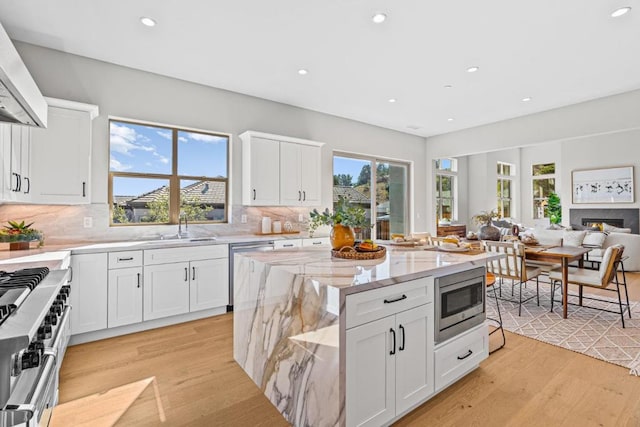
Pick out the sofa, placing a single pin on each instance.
(596, 240)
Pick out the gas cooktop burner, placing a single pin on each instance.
(29, 277)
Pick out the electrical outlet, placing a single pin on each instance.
(243, 219)
(300, 217)
(88, 222)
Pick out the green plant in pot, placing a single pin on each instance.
(344, 218)
(553, 210)
(487, 231)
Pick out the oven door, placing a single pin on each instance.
(32, 401)
(460, 301)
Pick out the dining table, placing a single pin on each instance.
(558, 255)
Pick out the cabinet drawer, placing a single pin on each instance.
(459, 355)
(125, 259)
(191, 253)
(370, 305)
(287, 244)
(320, 241)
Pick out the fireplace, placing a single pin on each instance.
(622, 218)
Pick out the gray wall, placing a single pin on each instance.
(133, 94)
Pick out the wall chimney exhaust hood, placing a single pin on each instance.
(20, 99)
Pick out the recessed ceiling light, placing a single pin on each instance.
(149, 22)
(621, 11)
(473, 69)
(303, 72)
(392, 100)
(379, 18)
(448, 86)
(450, 119)
(526, 99)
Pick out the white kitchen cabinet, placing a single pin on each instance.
(389, 366)
(124, 297)
(16, 165)
(300, 174)
(88, 292)
(166, 290)
(292, 175)
(209, 284)
(260, 172)
(61, 154)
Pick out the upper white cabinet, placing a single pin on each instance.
(15, 146)
(280, 171)
(61, 154)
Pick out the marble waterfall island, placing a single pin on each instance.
(290, 319)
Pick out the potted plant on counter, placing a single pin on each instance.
(19, 234)
(344, 218)
(487, 230)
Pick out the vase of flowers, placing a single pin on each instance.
(344, 218)
(487, 230)
(19, 234)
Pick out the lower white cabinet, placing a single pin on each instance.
(88, 293)
(125, 297)
(209, 284)
(389, 366)
(166, 290)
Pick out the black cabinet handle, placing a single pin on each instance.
(299, 195)
(138, 280)
(28, 185)
(393, 334)
(84, 189)
(465, 356)
(19, 182)
(389, 301)
(186, 274)
(254, 194)
(316, 243)
(401, 348)
(193, 272)
(304, 196)
(125, 259)
(288, 245)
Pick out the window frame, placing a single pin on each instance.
(533, 188)
(453, 175)
(173, 178)
(501, 178)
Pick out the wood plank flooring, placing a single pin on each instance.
(185, 375)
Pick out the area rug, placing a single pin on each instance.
(595, 333)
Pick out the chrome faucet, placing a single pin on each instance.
(186, 226)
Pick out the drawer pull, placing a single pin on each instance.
(389, 301)
(316, 243)
(469, 353)
(125, 259)
(393, 334)
(290, 245)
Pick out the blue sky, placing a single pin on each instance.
(348, 166)
(147, 149)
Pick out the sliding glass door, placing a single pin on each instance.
(387, 205)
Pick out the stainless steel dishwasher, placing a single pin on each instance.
(236, 248)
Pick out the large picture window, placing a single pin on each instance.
(159, 173)
(446, 189)
(544, 183)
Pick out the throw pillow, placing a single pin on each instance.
(621, 230)
(605, 262)
(573, 238)
(594, 239)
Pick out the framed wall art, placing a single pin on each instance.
(611, 185)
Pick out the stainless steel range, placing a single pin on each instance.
(34, 333)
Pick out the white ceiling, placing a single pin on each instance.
(556, 52)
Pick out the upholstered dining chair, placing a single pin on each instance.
(602, 278)
(513, 267)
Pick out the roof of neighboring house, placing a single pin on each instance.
(122, 200)
(351, 194)
(200, 192)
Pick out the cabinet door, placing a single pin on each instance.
(414, 359)
(310, 175)
(125, 297)
(61, 158)
(260, 172)
(88, 293)
(5, 161)
(25, 164)
(166, 290)
(370, 373)
(209, 285)
(290, 189)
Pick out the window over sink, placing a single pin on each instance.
(158, 173)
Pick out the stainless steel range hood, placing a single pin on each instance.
(20, 99)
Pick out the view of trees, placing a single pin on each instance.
(364, 179)
(158, 210)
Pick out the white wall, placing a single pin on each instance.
(129, 93)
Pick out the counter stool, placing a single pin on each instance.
(491, 280)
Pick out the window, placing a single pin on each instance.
(544, 183)
(354, 177)
(446, 189)
(158, 173)
(504, 189)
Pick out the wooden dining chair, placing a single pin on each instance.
(513, 267)
(602, 278)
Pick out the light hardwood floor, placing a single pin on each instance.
(185, 375)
